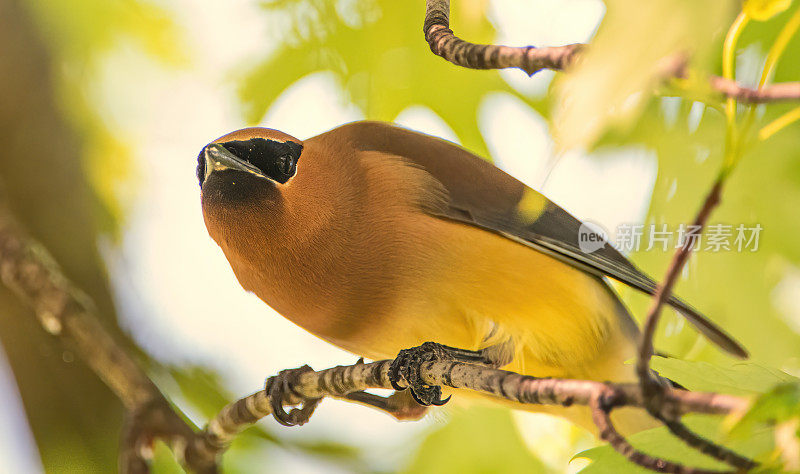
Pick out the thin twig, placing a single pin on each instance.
(707, 447)
(665, 288)
(444, 43)
(601, 405)
(652, 389)
(782, 91)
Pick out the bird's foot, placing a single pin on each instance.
(279, 387)
(408, 363)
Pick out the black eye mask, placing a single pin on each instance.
(277, 160)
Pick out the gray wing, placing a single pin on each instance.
(482, 195)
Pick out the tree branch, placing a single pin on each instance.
(399, 405)
(485, 56)
(28, 269)
(531, 59)
(338, 382)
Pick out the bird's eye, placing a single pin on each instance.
(275, 160)
(286, 164)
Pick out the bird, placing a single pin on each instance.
(377, 239)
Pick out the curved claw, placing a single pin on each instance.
(441, 402)
(427, 395)
(280, 384)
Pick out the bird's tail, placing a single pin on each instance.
(713, 332)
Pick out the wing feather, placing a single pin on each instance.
(482, 195)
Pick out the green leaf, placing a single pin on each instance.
(738, 379)
(762, 10)
(780, 404)
(777, 404)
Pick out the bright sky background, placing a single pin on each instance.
(176, 292)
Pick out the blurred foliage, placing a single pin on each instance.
(163, 460)
(477, 440)
(721, 283)
(737, 289)
(780, 404)
(763, 190)
(72, 415)
(626, 68)
(379, 57)
(79, 35)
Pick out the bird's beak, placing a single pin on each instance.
(218, 158)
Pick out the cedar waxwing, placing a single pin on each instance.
(377, 239)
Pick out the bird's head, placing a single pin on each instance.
(245, 174)
(246, 164)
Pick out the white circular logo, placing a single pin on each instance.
(591, 237)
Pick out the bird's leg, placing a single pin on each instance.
(408, 363)
(400, 404)
(279, 387)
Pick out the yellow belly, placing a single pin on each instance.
(563, 322)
